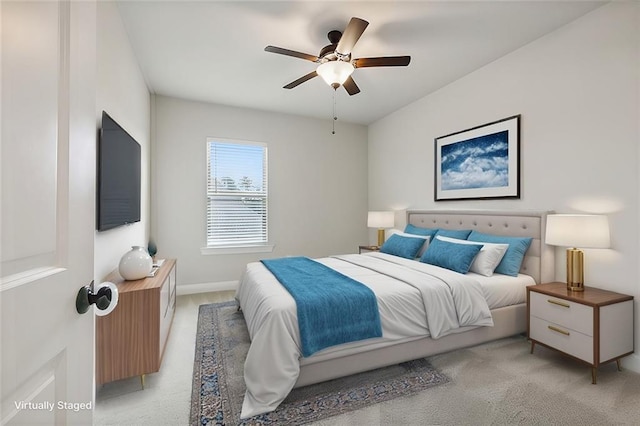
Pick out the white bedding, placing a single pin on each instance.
(410, 296)
(504, 290)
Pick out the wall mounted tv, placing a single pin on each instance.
(118, 180)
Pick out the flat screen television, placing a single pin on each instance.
(118, 180)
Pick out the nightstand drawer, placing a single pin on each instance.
(562, 312)
(562, 338)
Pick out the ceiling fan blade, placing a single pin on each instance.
(351, 87)
(385, 61)
(287, 52)
(351, 35)
(301, 80)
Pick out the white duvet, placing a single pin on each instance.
(414, 299)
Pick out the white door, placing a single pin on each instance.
(48, 128)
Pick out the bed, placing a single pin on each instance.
(275, 364)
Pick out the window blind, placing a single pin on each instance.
(236, 193)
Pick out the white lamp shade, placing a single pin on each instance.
(578, 230)
(335, 72)
(380, 220)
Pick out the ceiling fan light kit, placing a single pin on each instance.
(335, 73)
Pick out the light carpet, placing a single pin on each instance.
(497, 383)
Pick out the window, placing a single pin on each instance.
(236, 194)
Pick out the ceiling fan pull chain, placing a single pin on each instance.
(335, 116)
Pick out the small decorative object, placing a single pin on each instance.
(481, 162)
(152, 249)
(135, 264)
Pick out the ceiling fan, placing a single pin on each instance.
(336, 64)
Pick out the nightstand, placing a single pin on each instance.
(592, 326)
(368, 248)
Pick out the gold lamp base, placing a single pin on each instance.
(575, 269)
(380, 237)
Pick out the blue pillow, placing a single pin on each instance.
(427, 232)
(457, 257)
(406, 247)
(512, 259)
(460, 234)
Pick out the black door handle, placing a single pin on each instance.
(105, 298)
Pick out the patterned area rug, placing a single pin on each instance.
(222, 343)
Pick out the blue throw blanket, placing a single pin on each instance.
(332, 308)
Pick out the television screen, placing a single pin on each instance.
(118, 183)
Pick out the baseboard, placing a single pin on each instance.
(631, 362)
(206, 287)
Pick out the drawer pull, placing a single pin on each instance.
(558, 330)
(555, 302)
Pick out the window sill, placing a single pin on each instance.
(257, 248)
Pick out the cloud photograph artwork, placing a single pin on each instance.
(481, 162)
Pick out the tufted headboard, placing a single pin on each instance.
(539, 259)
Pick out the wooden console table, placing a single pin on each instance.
(131, 340)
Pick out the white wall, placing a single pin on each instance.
(317, 184)
(122, 92)
(578, 92)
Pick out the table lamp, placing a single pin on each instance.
(577, 230)
(380, 220)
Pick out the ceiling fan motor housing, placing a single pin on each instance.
(328, 52)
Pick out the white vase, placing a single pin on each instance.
(135, 264)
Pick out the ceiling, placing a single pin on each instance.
(213, 51)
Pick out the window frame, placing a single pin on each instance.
(242, 247)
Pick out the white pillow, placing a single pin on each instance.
(404, 234)
(488, 257)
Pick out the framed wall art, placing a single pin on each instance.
(479, 163)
